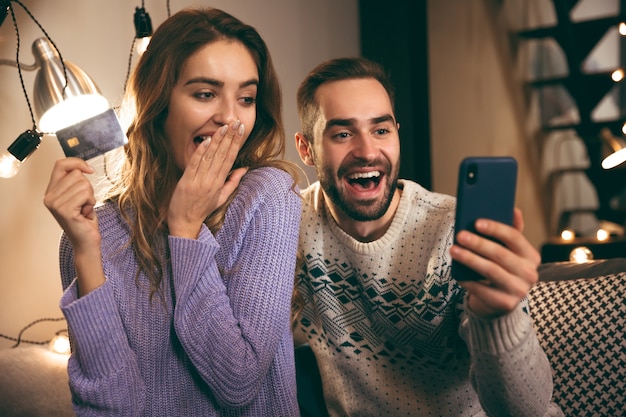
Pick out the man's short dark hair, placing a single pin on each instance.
(335, 70)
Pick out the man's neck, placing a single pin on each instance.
(365, 231)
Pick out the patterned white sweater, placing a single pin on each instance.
(389, 328)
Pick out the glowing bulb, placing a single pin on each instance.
(622, 29)
(602, 235)
(141, 44)
(567, 234)
(580, 254)
(73, 110)
(617, 75)
(9, 165)
(60, 344)
(614, 159)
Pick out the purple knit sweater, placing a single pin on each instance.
(220, 344)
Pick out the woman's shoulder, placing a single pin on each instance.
(268, 179)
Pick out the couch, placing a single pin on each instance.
(579, 313)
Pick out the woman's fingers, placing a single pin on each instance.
(70, 199)
(207, 181)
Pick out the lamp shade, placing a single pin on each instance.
(56, 105)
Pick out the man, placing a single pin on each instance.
(392, 332)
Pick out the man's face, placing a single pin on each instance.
(356, 147)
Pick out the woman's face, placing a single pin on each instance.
(217, 85)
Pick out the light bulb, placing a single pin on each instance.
(141, 44)
(568, 234)
(9, 165)
(72, 110)
(60, 344)
(602, 235)
(143, 29)
(11, 159)
(580, 255)
(617, 75)
(615, 159)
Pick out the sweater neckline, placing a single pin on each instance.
(391, 235)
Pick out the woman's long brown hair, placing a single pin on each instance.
(149, 175)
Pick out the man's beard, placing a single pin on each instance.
(361, 210)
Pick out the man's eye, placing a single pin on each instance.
(342, 135)
(382, 131)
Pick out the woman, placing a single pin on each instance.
(178, 286)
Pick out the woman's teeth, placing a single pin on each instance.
(200, 139)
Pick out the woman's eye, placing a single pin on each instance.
(249, 100)
(205, 95)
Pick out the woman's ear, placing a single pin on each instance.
(304, 149)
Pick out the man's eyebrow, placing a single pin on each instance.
(217, 83)
(350, 122)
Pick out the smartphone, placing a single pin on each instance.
(485, 189)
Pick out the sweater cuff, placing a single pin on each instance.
(502, 334)
(98, 338)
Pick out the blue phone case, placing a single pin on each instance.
(486, 189)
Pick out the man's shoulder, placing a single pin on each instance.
(311, 196)
(417, 194)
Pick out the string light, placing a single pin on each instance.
(581, 255)
(568, 234)
(60, 344)
(18, 340)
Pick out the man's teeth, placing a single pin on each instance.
(360, 175)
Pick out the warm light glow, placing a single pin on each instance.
(580, 254)
(60, 344)
(602, 235)
(9, 165)
(568, 234)
(71, 111)
(617, 75)
(614, 159)
(622, 29)
(141, 44)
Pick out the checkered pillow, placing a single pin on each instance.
(580, 324)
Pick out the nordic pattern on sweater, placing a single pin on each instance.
(388, 326)
(221, 344)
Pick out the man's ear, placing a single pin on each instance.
(304, 149)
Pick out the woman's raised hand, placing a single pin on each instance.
(207, 181)
(71, 200)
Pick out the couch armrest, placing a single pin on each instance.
(559, 271)
(34, 382)
(580, 325)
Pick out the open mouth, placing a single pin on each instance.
(365, 180)
(199, 139)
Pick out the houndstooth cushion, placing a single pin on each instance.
(580, 324)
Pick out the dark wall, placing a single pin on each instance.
(394, 33)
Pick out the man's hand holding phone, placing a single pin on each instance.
(508, 268)
(491, 258)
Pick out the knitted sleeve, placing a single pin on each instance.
(103, 371)
(230, 321)
(509, 370)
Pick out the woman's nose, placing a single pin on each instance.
(226, 113)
